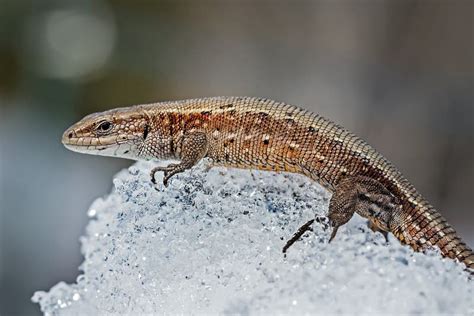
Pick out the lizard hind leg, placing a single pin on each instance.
(366, 196)
(342, 205)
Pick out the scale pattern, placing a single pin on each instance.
(258, 133)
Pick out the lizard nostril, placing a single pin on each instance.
(70, 135)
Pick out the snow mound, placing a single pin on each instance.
(211, 243)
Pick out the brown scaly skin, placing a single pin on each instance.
(263, 134)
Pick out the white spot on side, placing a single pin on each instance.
(320, 157)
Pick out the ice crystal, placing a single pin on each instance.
(211, 243)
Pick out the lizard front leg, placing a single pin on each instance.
(193, 148)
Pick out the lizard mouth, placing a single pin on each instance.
(72, 139)
(112, 145)
(75, 142)
(113, 150)
(84, 148)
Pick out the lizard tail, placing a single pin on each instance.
(427, 228)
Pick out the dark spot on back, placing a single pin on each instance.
(311, 129)
(145, 131)
(263, 114)
(227, 157)
(338, 141)
(226, 106)
(205, 113)
(231, 140)
(290, 121)
(266, 141)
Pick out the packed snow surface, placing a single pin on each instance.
(211, 243)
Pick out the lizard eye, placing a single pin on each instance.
(104, 127)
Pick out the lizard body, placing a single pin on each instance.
(263, 134)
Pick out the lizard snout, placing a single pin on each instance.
(68, 135)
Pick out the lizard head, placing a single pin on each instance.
(117, 133)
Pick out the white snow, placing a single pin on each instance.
(211, 243)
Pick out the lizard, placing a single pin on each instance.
(259, 133)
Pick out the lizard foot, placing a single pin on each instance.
(193, 148)
(168, 171)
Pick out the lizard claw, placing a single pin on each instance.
(333, 233)
(165, 173)
(165, 180)
(152, 175)
(335, 224)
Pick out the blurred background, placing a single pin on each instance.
(398, 73)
